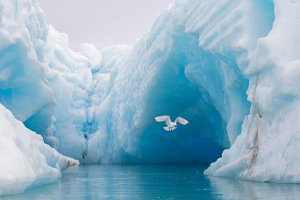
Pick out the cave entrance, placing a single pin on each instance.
(208, 91)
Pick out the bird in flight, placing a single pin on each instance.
(170, 125)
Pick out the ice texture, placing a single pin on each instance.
(267, 148)
(26, 161)
(168, 72)
(70, 78)
(229, 67)
(43, 82)
(209, 62)
(23, 77)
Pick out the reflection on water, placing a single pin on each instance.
(154, 182)
(238, 189)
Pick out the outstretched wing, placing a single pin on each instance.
(182, 121)
(165, 118)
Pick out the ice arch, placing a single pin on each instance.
(191, 84)
(100, 105)
(184, 66)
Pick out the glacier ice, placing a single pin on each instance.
(43, 83)
(26, 161)
(168, 72)
(23, 82)
(93, 106)
(210, 54)
(229, 67)
(267, 148)
(70, 78)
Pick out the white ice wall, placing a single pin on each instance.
(23, 78)
(26, 161)
(267, 148)
(70, 78)
(42, 81)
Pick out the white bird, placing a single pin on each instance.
(171, 125)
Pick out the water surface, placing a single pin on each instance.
(154, 182)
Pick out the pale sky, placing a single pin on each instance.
(102, 22)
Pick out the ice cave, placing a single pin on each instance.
(230, 67)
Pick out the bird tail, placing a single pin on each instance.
(169, 129)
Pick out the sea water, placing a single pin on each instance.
(154, 182)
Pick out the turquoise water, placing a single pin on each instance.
(154, 182)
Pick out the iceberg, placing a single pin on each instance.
(42, 82)
(229, 67)
(173, 70)
(69, 77)
(23, 77)
(26, 161)
(266, 149)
